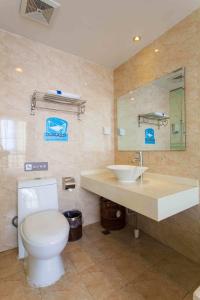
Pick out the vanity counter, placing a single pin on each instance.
(156, 196)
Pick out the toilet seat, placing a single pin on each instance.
(45, 228)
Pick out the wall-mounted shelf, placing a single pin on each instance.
(46, 101)
(153, 119)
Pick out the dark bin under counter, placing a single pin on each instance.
(113, 215)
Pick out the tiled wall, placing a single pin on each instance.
(21, 135)
(179, 47)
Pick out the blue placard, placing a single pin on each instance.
(149, 136)
(56, 130)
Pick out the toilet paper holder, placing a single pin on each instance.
(68, 183)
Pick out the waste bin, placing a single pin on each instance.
(113, 215)
(74, 218)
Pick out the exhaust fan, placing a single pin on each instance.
(39, 10)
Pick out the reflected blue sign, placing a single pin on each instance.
(149, 136)
(56, 130)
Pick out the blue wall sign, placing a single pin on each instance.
(149, 136)
(56, 130)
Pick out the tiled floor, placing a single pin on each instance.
(113, 267)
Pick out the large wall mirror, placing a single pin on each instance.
(152, 117)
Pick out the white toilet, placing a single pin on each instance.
(42, 231)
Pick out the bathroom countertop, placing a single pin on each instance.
(157, 196)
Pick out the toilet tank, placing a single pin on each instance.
(35, 195)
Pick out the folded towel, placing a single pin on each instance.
(160, 114)
(64, 94)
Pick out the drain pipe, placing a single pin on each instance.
(136, 230)
(15, 221)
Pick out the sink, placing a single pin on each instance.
(163, 196)
(127, 173)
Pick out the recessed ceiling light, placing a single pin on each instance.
(136, 38)
(132, 98)
(156, 50)
(19, 70)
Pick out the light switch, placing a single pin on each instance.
(121, 131)
(106, 130)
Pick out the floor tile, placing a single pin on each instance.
(125, 295)
(131, 266)
(9, 264)
(93, 232)
(181, 270)
(68, 287)
(80, 259)
(102, 267)
(68, 264)
(151, 250)
(14, 290)
(76, 294)
(98, 285)
(189, 296)
(154, 286)
(110, 271)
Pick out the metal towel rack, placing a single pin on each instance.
(153, 119)
(74, 106)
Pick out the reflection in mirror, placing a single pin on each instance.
(152, 117)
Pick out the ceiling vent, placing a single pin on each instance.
(39, 10)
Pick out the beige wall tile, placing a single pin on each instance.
(45, 68)
(179, 47)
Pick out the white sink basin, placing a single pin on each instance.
(127, 173)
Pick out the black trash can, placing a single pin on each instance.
(74, 218)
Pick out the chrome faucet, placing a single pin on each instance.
(139, 158)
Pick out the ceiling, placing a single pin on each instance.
(100, 31)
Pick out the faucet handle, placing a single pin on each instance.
(135, 160)
(138, 157)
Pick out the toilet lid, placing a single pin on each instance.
(45, 227)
